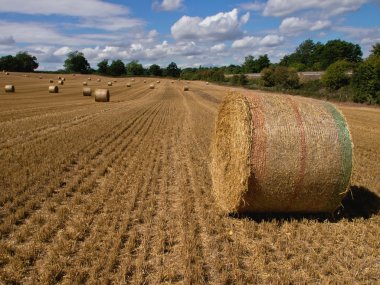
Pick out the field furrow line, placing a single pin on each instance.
(85, 188)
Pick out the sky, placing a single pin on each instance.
(190, 33)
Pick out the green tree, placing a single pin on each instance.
(366, 81)
(76, 62)
(134, 68)
(26, 62)
(103, 66)
(336, 75)
(155, 70)
(22, 62)
(335, 50)
(172, 70)
(8, 63)
(262, 62)
(280, 76)
(117, 68)
(375, 50)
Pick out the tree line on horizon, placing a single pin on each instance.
(337, 58)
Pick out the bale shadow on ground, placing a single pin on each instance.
(359, 203)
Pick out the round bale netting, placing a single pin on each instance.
(280, 154)
(102, 95)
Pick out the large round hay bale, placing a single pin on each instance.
(6, 73)
(133, 80)
(89, 79)
(151, 86)
(60, 82)
(186, 88)
(109, 83)
(278, 153)
(87, 91)
(98, 80)
(9, 88)
(84, 83)
(158, 81)
(129, 84)
(53, 89)
(102, 95)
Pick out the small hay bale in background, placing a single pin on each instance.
(53, 89)
(60, 82)
(98, 80)
(279, 153)
(144, 81)
(207, 83)
(172, 81)
(59, 78)
(115, 81)
(9, 88)
(6, 73)
(63, 79)
(84, 83)
(109, 83)
(87, 91)
(186, 88)
(102, 95)
(151, 86)
(51, 81)
(133, 80)
(89, 79)
(158, 81)
(40, 77)
(129, 84)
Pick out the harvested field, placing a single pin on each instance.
(121, 193)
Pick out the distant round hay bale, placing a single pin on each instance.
(278, 153)
(186, 88)
(89, 79)
(60, 82)
(87, 91)
(51, 81)
(9, 88)
(59, 78)
(53, 89)
(151, 86)
(6, 73)
(115, 81)
(84, 83)
(98, 80)
(207, 83)
(109, 83)
(158, 81)
(102, 95)
(129, 85)
(133, 80)
(63, 79)
(40, 77)
(144, 81)
(172, 82)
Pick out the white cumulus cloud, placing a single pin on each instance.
(222, 26)
(253, 42)
(331, 7)
(296, 25)
(168, 5)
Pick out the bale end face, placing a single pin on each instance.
(53, 89)
(231, 152)
(109, 83)
(9, 88)
(102, 95)
(278, 153)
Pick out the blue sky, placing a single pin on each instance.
(190, 33)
